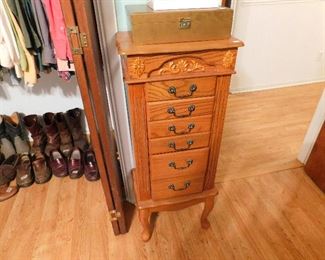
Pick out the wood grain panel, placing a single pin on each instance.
(182, 108)
(161, 188)
(136, 99)
(162, 145)
(315, 166)
(158, 91)
(161, 128)
(160, 167)
(91, 84)
(222, 93)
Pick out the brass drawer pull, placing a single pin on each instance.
(187, 184)
(173, 165)
(189, 127)
(172, 110)
(173, 146)
(172, 90)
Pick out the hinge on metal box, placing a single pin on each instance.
(114, 215)
(82, 40)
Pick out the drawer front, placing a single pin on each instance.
(180, 89)
(178, 164)
(189, 64)
(175, 187)
(178, 127)
(180, 109)
(178, 143)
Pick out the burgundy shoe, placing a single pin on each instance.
(58, 164)
(90, 166)
(75, 164)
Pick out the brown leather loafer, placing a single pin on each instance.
(6, 191)
(41, 170)
(75, 164)
(58, 164)
(90, 166)
(24, 177)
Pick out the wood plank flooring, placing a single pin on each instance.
(267, 207)
(264, 130)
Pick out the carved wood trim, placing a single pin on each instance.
(181, 66)
(164, 65)
(138, 67)
(228, 59)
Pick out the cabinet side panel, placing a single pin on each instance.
(138, 113)
(221, 99)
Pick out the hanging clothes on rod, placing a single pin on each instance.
(33, 39)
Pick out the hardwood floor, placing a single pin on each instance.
(264, 130)
(267, 207)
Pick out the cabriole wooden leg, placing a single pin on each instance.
(208, 206)
(144, 216)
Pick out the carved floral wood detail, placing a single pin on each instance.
(228, 59)
(181, 66)
(138, 67)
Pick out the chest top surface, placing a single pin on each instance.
(126, 47)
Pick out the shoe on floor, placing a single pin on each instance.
(41, 170)
(74, 121)
(24, 177)
(75, 164)
(33, 125)
(15, 131)
(66, 145)
(90, 166)
(6, 191)
(58, 164)
(8, 169)
(52, 133)
(7, 148)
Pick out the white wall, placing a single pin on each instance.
(50, 94)
(284, 43)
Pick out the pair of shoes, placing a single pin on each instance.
(56, 134)
(62, 166)
(76, 165)
(32, 169)
(12, 135)
(7, 174)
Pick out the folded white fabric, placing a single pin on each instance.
(182, 4)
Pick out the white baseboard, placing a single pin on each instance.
(244, 90)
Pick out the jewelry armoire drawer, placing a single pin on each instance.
(177, 127)
(180, 108)
(157, 67)
(175, 187)
(178, 143)
(178, 164)
(180, 89)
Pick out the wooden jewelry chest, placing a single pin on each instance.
(177, 96)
